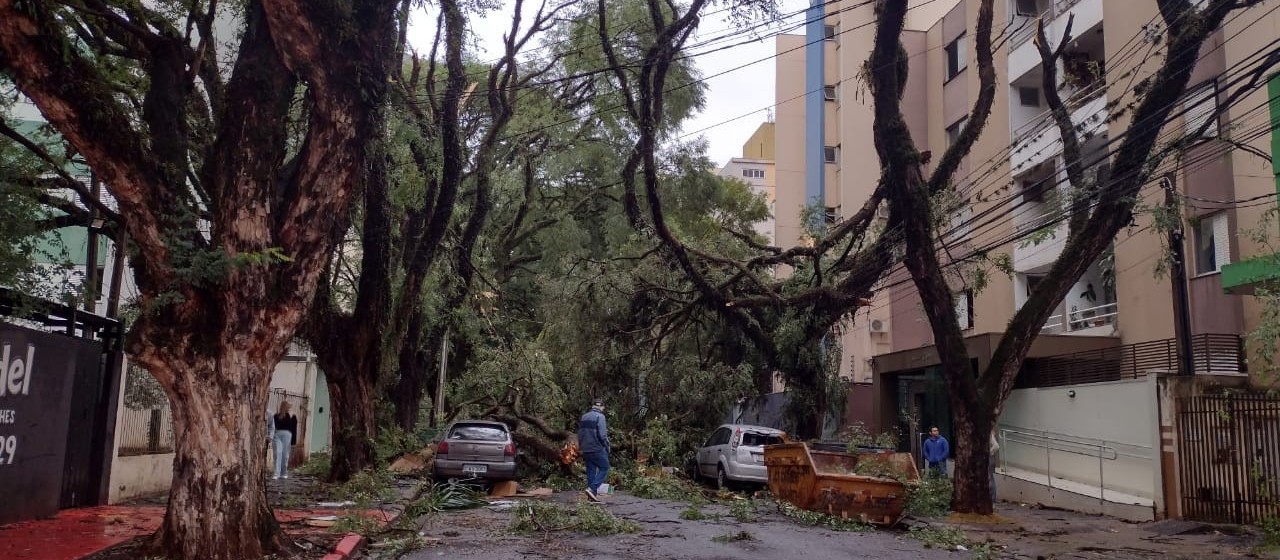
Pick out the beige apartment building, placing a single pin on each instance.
(755, 168)
(1092, 423)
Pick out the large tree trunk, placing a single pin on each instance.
(415, 372)
(971, 432)
(218, 504)
(353, 426)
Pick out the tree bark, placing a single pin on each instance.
(354, 429)
(217, 505)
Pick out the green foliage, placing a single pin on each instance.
(317, 465)
(694, 513)
(815, 519)
(952, 538)
(857, 435)
(445, 497)
(929, 497)
(659, 486)
(392, 442)
(367, 487)
(533, 517)
(945, 538)
(356, 522)
(1270, 527)
(744, 510)
(740, 536)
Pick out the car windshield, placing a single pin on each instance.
(750, 438)
(481, 432)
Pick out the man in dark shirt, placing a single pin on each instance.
(593, 440)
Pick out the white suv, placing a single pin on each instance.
(735, 453)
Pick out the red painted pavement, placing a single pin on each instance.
(77, 533)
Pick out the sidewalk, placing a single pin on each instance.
(78, 533)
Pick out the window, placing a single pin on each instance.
(829, 32)
(953, 131)
(1029, 96)
(957, 57)
(1212, 243)
(752, 439)
(960, 221)
(1026, 8)
(478, 432)
(752, 173)
(964, 309)
(721, 436)
(1200, 106)
(1033, 282)
(832, 215)
(1033, 190)
(830, 154)
(829, 93)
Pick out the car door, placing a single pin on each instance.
(707, 455)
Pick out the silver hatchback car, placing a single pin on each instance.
(735, 453)
(476, 449)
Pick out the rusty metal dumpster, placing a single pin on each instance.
(870, 487)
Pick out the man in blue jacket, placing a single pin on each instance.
(593, 440)
(936, 451)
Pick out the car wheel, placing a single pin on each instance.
(722, 482)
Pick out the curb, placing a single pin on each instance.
(346, 547)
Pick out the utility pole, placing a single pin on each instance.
(440, 381)
(91, 250)
(1178, 276)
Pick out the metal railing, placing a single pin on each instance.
(1075, 320)
(1103, 450)
(145, 431)
(1027, 29)
(1044, 120)
(1217, 353)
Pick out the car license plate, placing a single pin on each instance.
(475, 468)
(758, 457)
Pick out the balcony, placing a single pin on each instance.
(1038, 139)
(1022, 52)
(1210, 353)
(1097, 320)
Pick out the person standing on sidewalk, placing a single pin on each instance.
(286, 427)
(593, 441)
(936, 451)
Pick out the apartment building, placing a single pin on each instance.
(1092, 420)
(755, 168)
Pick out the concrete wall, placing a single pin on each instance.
(1121, 415)
(140, 475)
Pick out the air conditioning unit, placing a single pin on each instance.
(878, 326)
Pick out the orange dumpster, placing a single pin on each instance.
(869, 487)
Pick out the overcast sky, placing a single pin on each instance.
(744, 95)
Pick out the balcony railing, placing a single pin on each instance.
(1216, 353)
(1081, 319)
(1044, 121)
(1027, 30)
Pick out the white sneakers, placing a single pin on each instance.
(591, 496)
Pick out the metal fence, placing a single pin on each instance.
(1229, 457)
(1217, 353)
(147, 431)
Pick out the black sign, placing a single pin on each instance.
(36, 374)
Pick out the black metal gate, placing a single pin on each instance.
(1229, 455)
(59, 430)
